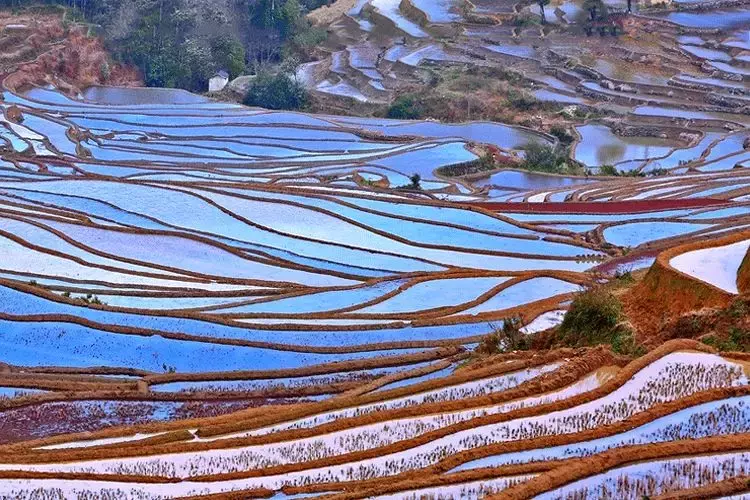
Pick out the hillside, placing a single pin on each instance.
(41, 48)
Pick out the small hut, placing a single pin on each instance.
(217, 82)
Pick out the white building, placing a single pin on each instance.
(218, 81)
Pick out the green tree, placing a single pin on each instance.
(596, 8)
(291, 18)
(609, 170)
(279, 91)
(405, 107)
(228, 53)
(543, 158)
(263, 13)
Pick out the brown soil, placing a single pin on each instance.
(665, 295)
(50, 53)
(743, 274)
(716, 326)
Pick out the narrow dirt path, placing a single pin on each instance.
(329, 13)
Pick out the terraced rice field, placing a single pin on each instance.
(672, 102)
(202, 298)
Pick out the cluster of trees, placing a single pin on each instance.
(181, 43)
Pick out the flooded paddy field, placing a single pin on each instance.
(174, 269)
(660, 103)
(201, 298)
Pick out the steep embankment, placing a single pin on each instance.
(670, 290)
(48, 50)
(743, 275)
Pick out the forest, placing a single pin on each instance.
(181, 43)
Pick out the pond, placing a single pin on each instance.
(501, 135)
(600, 146)
(120, 96)
(529, 180)
(721, 19)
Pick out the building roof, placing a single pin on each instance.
(221, 74)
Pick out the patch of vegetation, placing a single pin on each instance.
(608, 170)
(738, 309)
(737, 339)
(415, 183)
(657, 172)
(541, 157)
(279, 91)
(475, 78)
(525, 19)
(729, 329)
(595, 317)
(624, 278)
(458, 94)
(90, 299)
(229, 54)
(406, 107)
(485, 163)
(508, 338)
(522, 100)
(631, 173)
(562, 134)
(611, 170)
(308, 38)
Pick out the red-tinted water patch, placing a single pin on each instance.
(599, 207)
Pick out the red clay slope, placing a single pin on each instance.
(743, 274)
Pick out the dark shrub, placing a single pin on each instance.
(276, 92)
(405, 107)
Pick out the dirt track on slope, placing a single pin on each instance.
(329, 13)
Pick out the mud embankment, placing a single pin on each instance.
(665, 293)
(743, 274)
